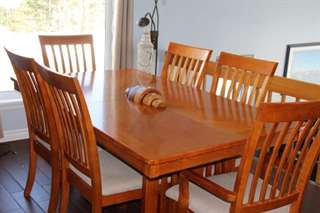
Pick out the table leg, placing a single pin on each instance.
(150, 195)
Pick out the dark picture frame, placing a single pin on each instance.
(302, 61)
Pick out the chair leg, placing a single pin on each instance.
(55, 186)
(296, 206)
(32, 168)
(65, 193)
(95, 208)
(163, 205)
(164, 185)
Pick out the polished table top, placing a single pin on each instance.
(195, 128)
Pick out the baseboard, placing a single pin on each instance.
(14, 135)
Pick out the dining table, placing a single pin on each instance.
(195, 128)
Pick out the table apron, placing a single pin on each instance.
(197, 160)
(153, 171)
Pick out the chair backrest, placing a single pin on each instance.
(289, 129)
(33, 93)
(243, 79)
(185, 64)
(284, 90)
(68, 53)
(75, 128)
(290, 90)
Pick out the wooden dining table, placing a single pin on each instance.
(194, 129)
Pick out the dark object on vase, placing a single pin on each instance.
(154, 32)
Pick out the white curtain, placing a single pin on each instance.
(119, 34)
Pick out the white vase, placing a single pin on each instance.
(145, 52)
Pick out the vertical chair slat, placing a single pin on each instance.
(69, 59)
(84, 58)
(225, 71)
(178, 68)
(93, 60)
(239, 87)
(62, 59)
(269, 97)
(172, 70)
(193, 73)
(189, 70)
(254, 92)
(199, 78)
(245, 88)
(233, 85)
(209, 170)
(76, 56)
(184, 70)
(54, 57)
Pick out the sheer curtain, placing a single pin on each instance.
(119, 34)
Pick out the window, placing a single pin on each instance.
(21, 21)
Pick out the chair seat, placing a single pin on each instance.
(202, 201)
(116, 176)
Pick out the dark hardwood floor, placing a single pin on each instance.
(13, 173)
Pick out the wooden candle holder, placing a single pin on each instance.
(146, 96)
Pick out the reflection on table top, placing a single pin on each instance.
(194, 122)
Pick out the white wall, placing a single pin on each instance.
(259, 27)
(12, 117)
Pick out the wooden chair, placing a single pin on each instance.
(289, 90)
(185, 64)
(241, 78)
(283, 185)
(100, 177)
(68, 53)
(42, 134)
(280, 89)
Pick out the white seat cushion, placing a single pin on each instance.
(202, 201)
(116, 176)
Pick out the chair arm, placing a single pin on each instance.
(209, 186)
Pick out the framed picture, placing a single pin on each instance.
(302, 62)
